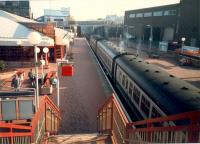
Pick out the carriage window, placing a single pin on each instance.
(130, 90)
(136, 95)
(123, 80)
(126, 84)
(145, 105)
(120, 75)
(155, 113)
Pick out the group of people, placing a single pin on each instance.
(49, 79)
(17, 80)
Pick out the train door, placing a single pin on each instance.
(114, 72)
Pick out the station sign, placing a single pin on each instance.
(67, 70)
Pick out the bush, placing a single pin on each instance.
(2, 65)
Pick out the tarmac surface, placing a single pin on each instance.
(82, 94)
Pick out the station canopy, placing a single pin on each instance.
(11, 32)
(62, 37)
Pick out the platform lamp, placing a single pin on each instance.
(183, 39)
(35, 38)
(46, 50)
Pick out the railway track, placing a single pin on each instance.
(126, 109)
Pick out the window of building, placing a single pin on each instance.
(15, 4)
(139, 15)
(148, 14)
(158, 13)
(9, 3)
(24, 4)
(48, 19)
(169, 12)
(58, 19)
(132, 16)
(2, 4)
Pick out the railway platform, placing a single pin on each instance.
(82, 94)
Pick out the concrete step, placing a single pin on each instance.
(80, 139)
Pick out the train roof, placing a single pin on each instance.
(108, 47)
(175, 94)
(97, 37)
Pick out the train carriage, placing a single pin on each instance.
(147, 89)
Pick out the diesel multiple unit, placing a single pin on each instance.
(146, 88)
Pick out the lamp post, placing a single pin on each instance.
(46, 50)
(35, 38)
(58, 63)
(42, 64)
(151, 36)
(183, 39)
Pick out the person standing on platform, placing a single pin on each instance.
(19, 82)
(16, 83)
(31, 78)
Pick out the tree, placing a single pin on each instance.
(2, 65)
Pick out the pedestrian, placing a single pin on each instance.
(16, 83)
(30, 74)
(31, 77)
(19, 82)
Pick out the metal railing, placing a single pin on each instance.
(44, 123)
(12, 133)
(113, 121)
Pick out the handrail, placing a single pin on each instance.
(8, 137)
(10, 125)
(125, 119)
(37, 128)
(45, 101)
(154, 130)
(186, 115)
(115, 101)
(109, 99)
(55, 108)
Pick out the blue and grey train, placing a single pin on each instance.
(148, 90)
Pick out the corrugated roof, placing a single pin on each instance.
(12, 31)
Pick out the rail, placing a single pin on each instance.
(45, 122)
(113, 121)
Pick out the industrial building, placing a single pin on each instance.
(58, 17)
(165, 23)
(21, 8)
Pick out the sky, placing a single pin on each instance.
(94, 9)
